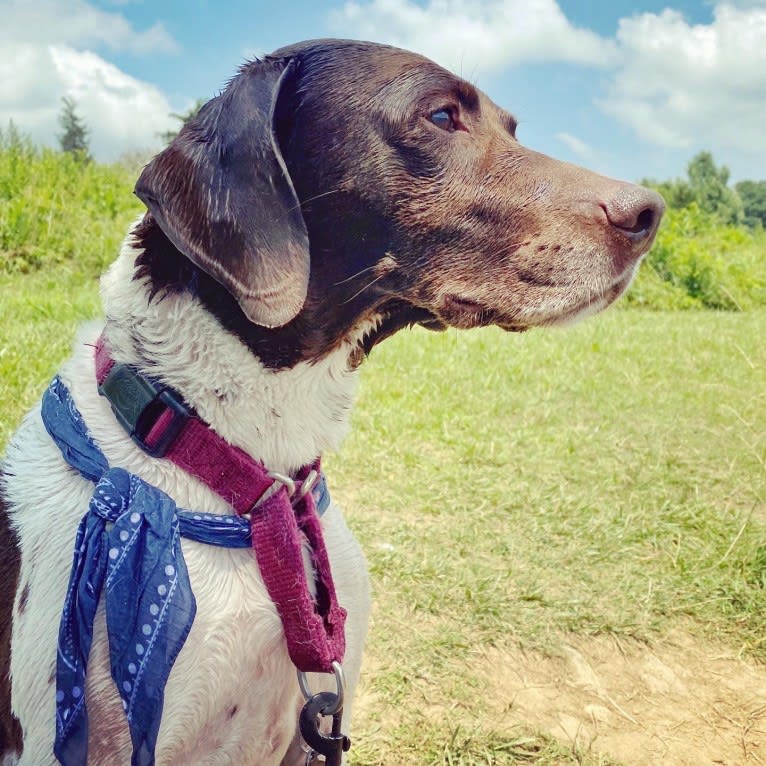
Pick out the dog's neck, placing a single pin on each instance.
(286, 417)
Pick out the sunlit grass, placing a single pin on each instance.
(511, 489)
(604, 479)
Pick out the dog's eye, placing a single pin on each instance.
(443, 119)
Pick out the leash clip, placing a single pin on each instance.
(330, 747)
(340, 686)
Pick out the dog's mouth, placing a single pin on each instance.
(462, 312)
(466, 313)
(593, 304)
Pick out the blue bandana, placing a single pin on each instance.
(128, 549)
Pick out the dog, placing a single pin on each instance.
(334, 193)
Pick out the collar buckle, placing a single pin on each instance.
(138, 403)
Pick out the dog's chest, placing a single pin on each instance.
(233, 678)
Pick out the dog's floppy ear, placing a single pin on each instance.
(222, 194)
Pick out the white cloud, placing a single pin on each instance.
(468, 36)
(675, 84)
(680, 85)
(121, 111)
(79, 24)
(576, 145)
(47, 54)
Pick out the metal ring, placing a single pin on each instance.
(272, 489)
(308, 483)
(282, 479)
(340, 684)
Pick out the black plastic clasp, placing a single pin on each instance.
(332, 745)
(138, 402)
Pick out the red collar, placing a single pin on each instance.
(281, 519)
(160, 422)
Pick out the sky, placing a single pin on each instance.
(630, 88)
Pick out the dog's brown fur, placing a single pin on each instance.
(411, 222)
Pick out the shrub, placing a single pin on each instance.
(698, 262)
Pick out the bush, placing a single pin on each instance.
(55, 209)
(697, 262)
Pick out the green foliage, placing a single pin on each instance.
(753, 196)
(74, 136)
(703, 256)
(707, 187)
(698, 262)
(710, 185)
(55, 208)
(677, 193)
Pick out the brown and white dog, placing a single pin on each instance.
(334, 193)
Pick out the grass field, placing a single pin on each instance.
(517, 491)
(607, 479)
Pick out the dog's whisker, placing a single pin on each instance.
(355, 276)
(313, 198)
(366, 287)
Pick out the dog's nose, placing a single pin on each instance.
(636, 212)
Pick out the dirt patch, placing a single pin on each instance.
(678, 703)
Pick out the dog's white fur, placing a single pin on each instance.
(232, 697)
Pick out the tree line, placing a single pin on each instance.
(707, 186)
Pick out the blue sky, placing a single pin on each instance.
(631, 88)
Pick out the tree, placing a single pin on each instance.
(168, 135)
(710, 186)
(677, 194)
(753, 196)
(707, 185)
(74, 136)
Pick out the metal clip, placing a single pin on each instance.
(308, 483)
(329, 747)
(294, 491)
(340, 686)
(282, 479)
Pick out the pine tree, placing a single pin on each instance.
(74, 138)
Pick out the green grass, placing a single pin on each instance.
(607, 479)
(39, 314)
(604, 479)
(601, 479)
(61, 223)
(512, 489)
(444, 742)
(56, 210)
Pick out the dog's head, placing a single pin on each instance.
(337, 182)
